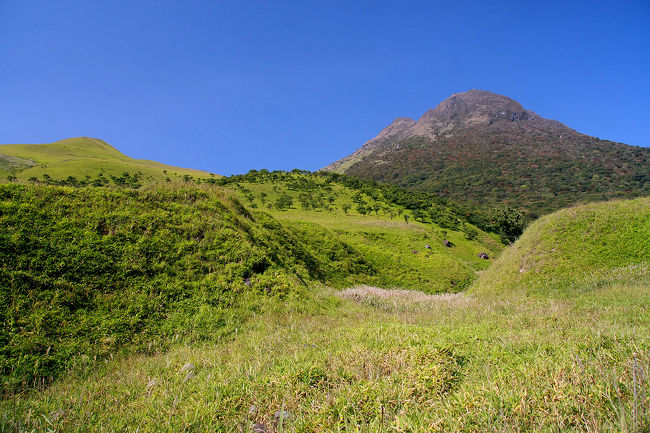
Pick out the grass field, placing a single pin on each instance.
(396, 247)
(367, 363)
(554, 336)
(80, 157)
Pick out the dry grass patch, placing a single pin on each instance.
(398, 299)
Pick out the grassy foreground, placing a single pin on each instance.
(368, 361)
(563, 345)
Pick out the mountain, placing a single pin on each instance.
(485, 149)
(79, 157)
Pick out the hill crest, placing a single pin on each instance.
(79, 157)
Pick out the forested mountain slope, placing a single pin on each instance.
(486, 150)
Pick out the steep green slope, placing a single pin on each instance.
(85, 272)
(579, 248)
(79, 157)
(400, 233)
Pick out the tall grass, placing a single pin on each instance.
(425, 363)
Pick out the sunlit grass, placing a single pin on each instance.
(83, 156)
(461, 364)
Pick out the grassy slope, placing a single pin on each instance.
(578, 248)
(453, 363)
(80, 157)
(494, 360)
(386, 242)
(86, 272)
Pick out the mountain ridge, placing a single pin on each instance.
(482, 138)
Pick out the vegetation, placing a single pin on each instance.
(85, 272)
(81, 159)
(215, 304)
(579, 248)
(369, 362)
(459, 169)
(387, 225)
(424, 206)
(485, 150)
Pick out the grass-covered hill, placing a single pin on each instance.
(401, 233)
(81, 158)
(87, 271)
(243, 304)
(367, 359)
(576, 249)
(486, 150)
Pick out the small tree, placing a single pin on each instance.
(346, 207)
(470, 232)
(418, 215)
(508, 222)
(284, 201)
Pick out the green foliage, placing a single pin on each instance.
(369, 195)
(284, 201)
(359, 218)
(470, 232)
(87, 272)
(508, 222)
(484, 168)
(582, 247)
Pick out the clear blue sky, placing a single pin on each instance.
(227, 86)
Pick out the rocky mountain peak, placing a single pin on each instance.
(399, 125)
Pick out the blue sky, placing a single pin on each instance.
(227, 86)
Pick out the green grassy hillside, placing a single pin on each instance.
(375, 221)
(579, 248)
(85, 272)
(116, 267)
(215, 304)
(80, 158)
